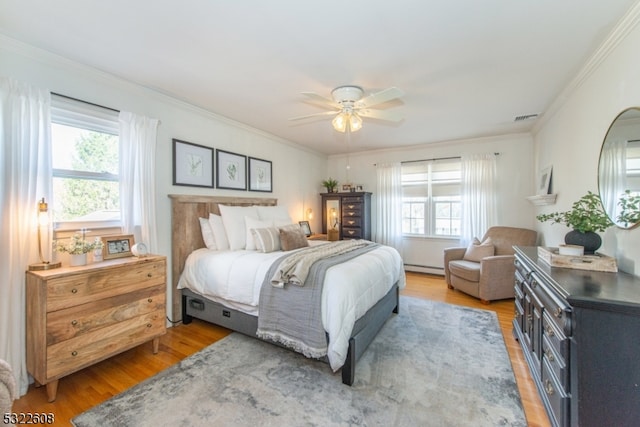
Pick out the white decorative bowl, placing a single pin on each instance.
(571, 250)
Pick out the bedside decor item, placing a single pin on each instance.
(330, 184)
(192, 164)
(117, 246)
(43, 221)
(306, 228)
(260, 177)
(231, 170)
(139, 250)
(77, 247)
(593, 262)
(572, 250)
(586, 217)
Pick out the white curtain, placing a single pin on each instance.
(137, 178)
(612, 177)
(478, 195)
(388, 229)
(25, 168)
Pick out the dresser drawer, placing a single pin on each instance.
(558, 401)
(353, 200)
(352, 222)
(75, 289)
(351, 233)
(351, 213)
(75, 321)
(557, 364)
(74, 354)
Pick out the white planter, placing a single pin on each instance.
(76, 260)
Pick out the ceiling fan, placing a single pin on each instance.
(350, 106)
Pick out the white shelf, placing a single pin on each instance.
(542, 199)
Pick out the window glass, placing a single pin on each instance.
(431, 198)
(85, 155)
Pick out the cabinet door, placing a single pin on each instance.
(533, 326)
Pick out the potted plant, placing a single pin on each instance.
(77, 247)
(330, 184)
(586, 218)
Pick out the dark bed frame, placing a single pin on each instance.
(186, 237)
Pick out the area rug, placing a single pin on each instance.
(433, 364)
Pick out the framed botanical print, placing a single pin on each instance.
(231, 170)
(192, 164)
(544, 181)
(260, 177)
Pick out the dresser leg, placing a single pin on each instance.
(156, 345)
(52, 390)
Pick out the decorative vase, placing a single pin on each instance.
(590, 240)
(76, 260)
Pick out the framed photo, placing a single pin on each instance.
(306, 228)
(260, 178)
(117, 246)
(544, 181)
(346, 187)
(192, 164)
(231, 170)
(359, 188)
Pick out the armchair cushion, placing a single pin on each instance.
(468, 270)
(476, 250)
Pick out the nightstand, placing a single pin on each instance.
(77, 316)
(317, 237)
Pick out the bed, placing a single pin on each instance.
(191, 298)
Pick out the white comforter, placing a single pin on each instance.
(233, 278)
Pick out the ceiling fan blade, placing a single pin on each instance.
(387, 115)
(308, 116)
(380, 97)
(318, 99)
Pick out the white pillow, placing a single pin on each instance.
(274, 213)
(252, 223)
(267, 239)
(234, 224)
(219, 234)
(207, 234)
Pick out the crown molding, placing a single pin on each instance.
(622, 29)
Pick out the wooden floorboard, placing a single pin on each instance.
(91, 386)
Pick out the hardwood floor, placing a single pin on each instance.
(91, 386)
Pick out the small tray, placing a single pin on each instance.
(595, 262)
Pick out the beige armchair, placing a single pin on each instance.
(493, 277)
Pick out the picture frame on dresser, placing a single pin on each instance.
(231, 170)
(260, 175)
(192, 164)
(118, 246)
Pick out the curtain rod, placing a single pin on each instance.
(433, 159)
(85, 102)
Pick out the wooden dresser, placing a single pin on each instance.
(77, 316)
(580, 333)
(353, 213)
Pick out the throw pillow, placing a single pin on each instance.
(476, 250)
(267, 239)
(234, 224)
(207, 234)
(292, 238)
(252, 223)
(219, 234)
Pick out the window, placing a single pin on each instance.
(431, 203)
(85, 155)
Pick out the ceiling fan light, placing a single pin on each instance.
(355, 122)
(339, 122)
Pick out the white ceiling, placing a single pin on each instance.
(467, 67)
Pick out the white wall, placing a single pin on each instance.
(570, 139)
(514, 168)
(297, 171)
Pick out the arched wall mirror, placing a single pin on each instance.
(619, 165)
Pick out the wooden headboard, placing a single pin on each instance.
(186, 236)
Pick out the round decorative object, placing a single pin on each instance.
(590, 240)
(139, 250)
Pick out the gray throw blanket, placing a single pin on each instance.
(292, 315)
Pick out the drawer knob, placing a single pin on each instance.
(534, 284)
(351, 222)
(74, 291)
(548, 387)
(558, 312)
(549, 330)
(74, 322)
(351, 213)
(149, 275)
(549, 355)
(352, 232)
(74, 353)
(352, 206)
